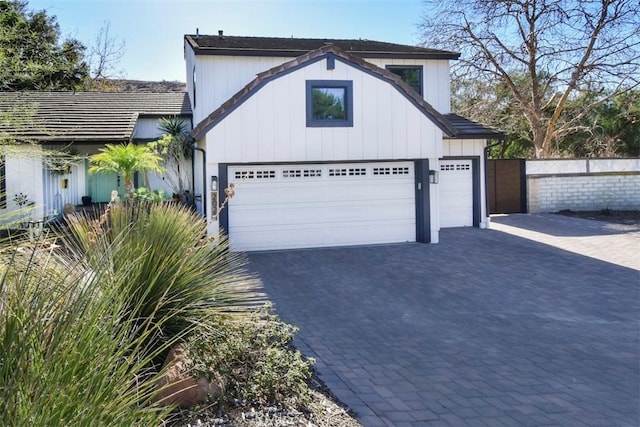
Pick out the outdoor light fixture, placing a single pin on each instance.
(214, 183)
(433, 177)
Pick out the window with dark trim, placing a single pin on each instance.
(193, 76)
(329, 103)
(410, 74)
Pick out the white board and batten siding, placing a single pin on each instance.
(23, 174)
(270, 126)
(435, 79)
(219, 77)
(316, 205)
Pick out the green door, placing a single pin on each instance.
(102, 184)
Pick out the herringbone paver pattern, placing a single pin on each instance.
(484, 328)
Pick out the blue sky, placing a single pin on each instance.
(153, 30)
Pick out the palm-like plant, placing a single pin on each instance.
(174, 149)
(125, 160)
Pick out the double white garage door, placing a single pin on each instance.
(315, 205)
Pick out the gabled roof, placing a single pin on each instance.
(85, 116)
(310, 57)
(279, 46)
(468, 129)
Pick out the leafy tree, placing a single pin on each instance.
(545, 53)
(610, 129)
(125, 160)
(32, 57)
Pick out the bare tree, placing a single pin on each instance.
(544, 52)
(104, 58)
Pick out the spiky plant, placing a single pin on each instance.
(177, 272)
(72, 351)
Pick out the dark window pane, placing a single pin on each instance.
(410, 75)
(329, 103)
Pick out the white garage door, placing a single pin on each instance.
(456, 193)
(313, 205)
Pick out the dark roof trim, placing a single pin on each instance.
(309, 58)
(468, 129)
(294, 47)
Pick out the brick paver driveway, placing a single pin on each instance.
(485, 328)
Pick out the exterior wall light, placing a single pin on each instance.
(433, 177)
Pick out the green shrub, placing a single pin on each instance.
(82, 327)
(173, 271)
(254, 357)
(69, 352)
(143, 194)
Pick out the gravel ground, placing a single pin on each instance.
(323, 411)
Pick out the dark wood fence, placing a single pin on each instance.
(507, 186)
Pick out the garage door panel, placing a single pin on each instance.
(341, 204)
(319, 214)
(316, 235)
(456, 193)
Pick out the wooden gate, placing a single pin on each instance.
(507, 186)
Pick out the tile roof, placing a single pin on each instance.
(263, 78)
(85, 116)
(277, 46)
(468, 129)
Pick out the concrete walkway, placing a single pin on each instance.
(615, 243)
(486, 328)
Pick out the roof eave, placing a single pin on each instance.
(298, 52)
(486, 135)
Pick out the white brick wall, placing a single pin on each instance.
(583, 192)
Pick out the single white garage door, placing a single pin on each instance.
(314, 205)
(456, 193)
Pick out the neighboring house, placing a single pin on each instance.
(331, 142)
(80, 123)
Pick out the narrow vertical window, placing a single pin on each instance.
(193, 76)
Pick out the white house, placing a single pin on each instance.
(331, 142)
(80, 123)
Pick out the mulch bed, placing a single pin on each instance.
(324, 410)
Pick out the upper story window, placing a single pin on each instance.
(410, 74)
(329, 103)
(193, 77)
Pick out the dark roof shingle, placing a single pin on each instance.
(468, 129)
(85, 116)
(280, 46)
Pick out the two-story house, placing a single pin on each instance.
(331, 142)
